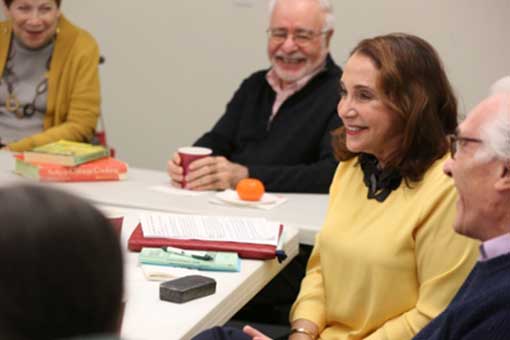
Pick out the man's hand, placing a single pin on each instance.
(174, 170)
(255, 334)
(214, 173)
(208, 173)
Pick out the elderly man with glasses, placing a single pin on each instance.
(480, 167)
(276, 128)
(277, 125)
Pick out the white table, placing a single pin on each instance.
(146, 317)
(304, 212)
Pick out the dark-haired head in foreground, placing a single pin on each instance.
(61, 266)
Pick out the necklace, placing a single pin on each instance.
(12, 103)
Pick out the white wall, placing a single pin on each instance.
(173, 65)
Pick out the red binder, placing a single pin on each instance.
(245, 250)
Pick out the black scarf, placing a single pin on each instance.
(380, 182)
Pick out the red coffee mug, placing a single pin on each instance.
(189, 154)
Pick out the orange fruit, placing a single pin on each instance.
(250, 189)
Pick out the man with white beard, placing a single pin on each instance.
(277, 126)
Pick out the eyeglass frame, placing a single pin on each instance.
(454, 140)
(301, 40)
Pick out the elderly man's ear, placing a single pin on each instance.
(503, 183)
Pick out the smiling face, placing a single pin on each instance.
(290, 60)
(370, 126)
(34, 22)
(476, 177)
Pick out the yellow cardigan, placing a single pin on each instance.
(382, 271)
(73, 102)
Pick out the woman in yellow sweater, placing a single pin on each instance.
(387, 260)
(49, 82)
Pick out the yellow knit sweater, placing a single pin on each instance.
(73, 86)
(384, 270)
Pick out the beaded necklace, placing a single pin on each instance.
(12, 103)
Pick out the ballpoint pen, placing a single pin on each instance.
(200, 255)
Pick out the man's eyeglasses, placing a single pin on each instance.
(300, 36)
(457, 142)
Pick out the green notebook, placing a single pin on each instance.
(221, 261)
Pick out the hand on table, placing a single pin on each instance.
(254, 333)
(208, 173)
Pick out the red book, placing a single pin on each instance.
(105, 169)
(245, 250)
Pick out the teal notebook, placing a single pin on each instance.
(221, 261)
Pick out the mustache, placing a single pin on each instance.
(293, 55)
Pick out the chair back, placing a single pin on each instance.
(100, 135)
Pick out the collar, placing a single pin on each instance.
(495, 247)
(22, 49)
(5, 41)
(379, 182)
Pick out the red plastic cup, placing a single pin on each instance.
(189, 154)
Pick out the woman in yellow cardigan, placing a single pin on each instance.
(386, 260)
(49, 85)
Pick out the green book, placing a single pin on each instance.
(65, 153)
(219, 261)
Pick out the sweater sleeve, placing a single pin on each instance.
(84, 102)
(443, 260)
(311, 301)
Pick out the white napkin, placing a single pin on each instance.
(168, 189)
(229, 197)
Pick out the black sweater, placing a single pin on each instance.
(481, 308)
(293, 153)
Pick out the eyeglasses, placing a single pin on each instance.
(457, 142)
(300, 37)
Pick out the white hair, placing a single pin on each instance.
(496, 133)
(327, 8)
(501, 86)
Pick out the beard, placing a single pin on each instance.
(304, 66)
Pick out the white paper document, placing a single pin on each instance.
(210, 228)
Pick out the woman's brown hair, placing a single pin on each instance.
(414, 85)
(8, 3)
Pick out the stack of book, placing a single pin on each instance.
(66, 161)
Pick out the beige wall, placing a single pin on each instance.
(171, 66)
